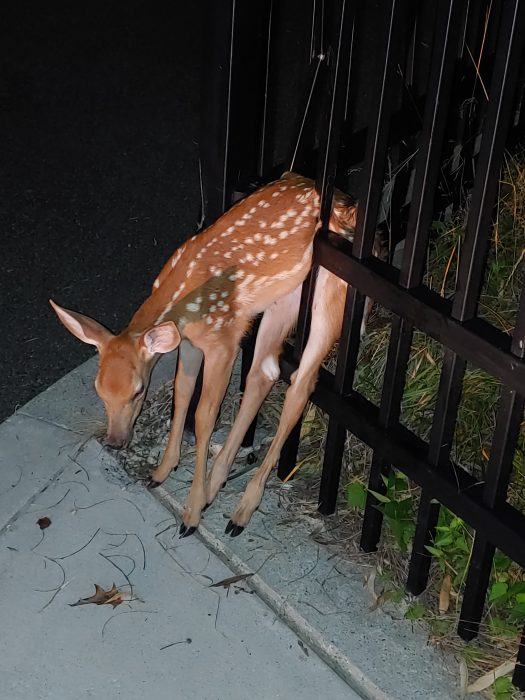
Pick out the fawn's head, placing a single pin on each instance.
(125, 365)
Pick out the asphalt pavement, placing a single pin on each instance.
(99, 111)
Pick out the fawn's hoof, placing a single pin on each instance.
(185, 531)
(232, 529)
(152, 484)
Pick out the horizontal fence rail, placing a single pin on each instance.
(426, 100)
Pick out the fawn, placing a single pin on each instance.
(253, 259)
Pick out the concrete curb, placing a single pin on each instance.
(328, 652)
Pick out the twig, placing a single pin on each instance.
(66, 556)
(182, 641)
(107, 500)
(307, 573)
(126, 612)
(79, 466)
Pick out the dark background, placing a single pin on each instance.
(99, 107)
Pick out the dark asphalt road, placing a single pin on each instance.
(98, 169)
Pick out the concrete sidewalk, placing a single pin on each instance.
(178, 636)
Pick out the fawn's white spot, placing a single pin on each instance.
(156, 284)
(260, 255)
(270, 368)
(269, 240)
(248, 241)
(213, 296)
(276, 194)
(283, 234)
(224, 295)
(258, 236)
(240, 222)
(228, 255)
(198, 300)
(209, 320)
(261, 203)
(274, 256)
(232, 278)
(277, 224)
(193, 307)
(213, 308)
(262, 224)
(218, 323)
(177, 292)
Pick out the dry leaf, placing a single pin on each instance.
(225, 583)
(444, 595)
(43, 523)
(488, 679)
(111, 597)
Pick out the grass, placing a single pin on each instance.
(440, 605)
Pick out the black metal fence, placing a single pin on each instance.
(344, 90)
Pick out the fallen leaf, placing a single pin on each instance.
(43, 523)
(225, 583)
(111, 597)
(488, 679)
(444, 595)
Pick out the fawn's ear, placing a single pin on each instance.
(160, 339)
(84, 328)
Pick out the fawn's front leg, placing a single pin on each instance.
(188, 366)
(218, 363)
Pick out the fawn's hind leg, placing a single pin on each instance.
(276, 323)
(325, 329)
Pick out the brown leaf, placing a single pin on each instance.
(43, 523)
(444, 595)
(111, 597)
(227, 582)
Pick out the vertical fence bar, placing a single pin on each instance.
(420, 217)
(471, 270)
(518, 677)
(338, 56)
(375, 156)
(499, 469)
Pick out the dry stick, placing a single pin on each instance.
(50, 590)
(57, 591)
(183, 641)
(79, 466)
(81, 548)
(53, 505)
(75, 481)
(126, 576)
(307, 573)
(126, 612)
(107, 500)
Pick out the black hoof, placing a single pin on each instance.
(232, 529)
(251, 458)
(186, 531)
(152, 484)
